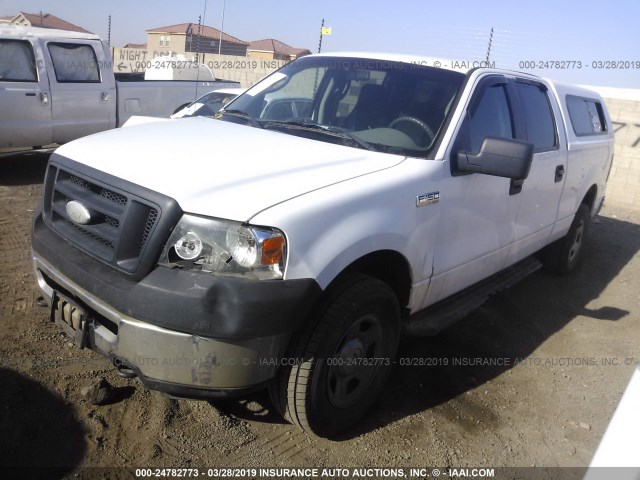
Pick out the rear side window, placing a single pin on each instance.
(17, 63)
(492, 118)
(587, 115)
(541, 129)
(74, 63)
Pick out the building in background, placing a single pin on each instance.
(272, 49)
(42, 20)
(191, 37)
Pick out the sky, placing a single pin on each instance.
(592, 35)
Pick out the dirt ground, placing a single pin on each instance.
(562, 352)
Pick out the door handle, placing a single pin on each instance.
(560, 171)
(44, 97)
(105, 96)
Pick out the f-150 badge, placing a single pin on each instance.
(427, 199)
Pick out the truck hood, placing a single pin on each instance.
(221, 169)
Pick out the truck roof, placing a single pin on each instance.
(444, 63)
(18, 30)
(462, 67)
(577, 90)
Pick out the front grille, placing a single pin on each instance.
(148, 227)
(114, 222)
(97, 238)
(122, 222)
(113, 196)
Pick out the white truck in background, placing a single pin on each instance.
(56, 86)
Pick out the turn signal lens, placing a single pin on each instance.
(272, 250)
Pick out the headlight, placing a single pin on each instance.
(225, 247)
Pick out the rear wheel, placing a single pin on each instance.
(343, 358)
(564, 255)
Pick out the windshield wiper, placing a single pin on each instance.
(241, 114)
(326, 129)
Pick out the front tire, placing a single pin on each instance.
(565, 255)
(344, 357)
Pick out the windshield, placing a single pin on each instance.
(382, 105)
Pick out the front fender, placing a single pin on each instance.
(330, 228)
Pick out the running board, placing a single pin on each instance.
(433, 319)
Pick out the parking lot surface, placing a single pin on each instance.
(531, 378)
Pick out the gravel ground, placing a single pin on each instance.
(531, 378)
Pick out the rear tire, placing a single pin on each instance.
(343, 357)
(565, 255)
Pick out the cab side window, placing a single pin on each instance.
(587, 116)
(74, 63)
(541, 129)
(17, 63)
(491, 118)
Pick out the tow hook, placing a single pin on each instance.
(123, 370)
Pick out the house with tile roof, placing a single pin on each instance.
(191, 37)
(42, 20)
(273, 49)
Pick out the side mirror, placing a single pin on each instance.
(499, 157)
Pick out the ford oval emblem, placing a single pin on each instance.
(78, 213)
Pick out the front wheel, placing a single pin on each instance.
(343, 357)
(564, 255)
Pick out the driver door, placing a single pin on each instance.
(478, 212)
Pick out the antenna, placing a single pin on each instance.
(315, 84)
(321, 28)
(489, 47)
(109, 31)
(200, 22)
(198, 38)
(224, 5)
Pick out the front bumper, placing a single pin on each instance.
(188, 334)
(177, 363)
(223, 307)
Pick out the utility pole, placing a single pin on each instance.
(489, 47)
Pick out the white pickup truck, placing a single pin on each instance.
(348, 198)
(56, 86)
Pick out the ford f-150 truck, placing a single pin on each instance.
(56, 86)
(288, 248)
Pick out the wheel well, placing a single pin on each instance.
(590, 198)
(389, 267)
